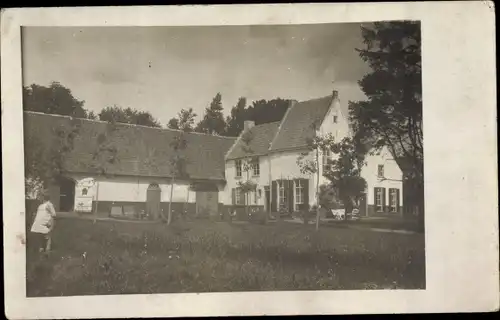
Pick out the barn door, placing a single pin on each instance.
(207, 203)
(153, 200)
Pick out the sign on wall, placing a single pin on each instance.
(84, 195)
(83, 204)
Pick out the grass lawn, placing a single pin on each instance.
(111, 257)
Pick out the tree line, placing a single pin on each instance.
(390, 116)
(58, 99)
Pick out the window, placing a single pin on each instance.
(256, 167)
(238, 168)
(327, 154)
(379, 200)
(380, 172)
(84, 191)
(335, 119)
(255, 197)
(394, 199)
(299, 194)
(281, 193)
(237, 196)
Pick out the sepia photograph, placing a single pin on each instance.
(228, 158)
(223, 158)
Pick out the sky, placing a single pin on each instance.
(165, 69)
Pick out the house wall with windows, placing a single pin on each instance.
(384, 180)
(235, 173)
(281, 184)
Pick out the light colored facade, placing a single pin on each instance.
(279, 146)
(139, 180)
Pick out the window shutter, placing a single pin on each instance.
(375, 197)
(290, 196)
(273, 194)
(397, 200)
(233, 195)
(305, 190)
(384, 206)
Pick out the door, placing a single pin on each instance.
(66, 194)
(267, 194)
(207, 203)
(363, 205)
(153, 200)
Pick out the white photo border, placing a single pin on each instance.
(459, 98)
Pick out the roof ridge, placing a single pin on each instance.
(126, 124)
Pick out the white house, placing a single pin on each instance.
(274, 149)
(122, 169)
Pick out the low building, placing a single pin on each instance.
(122, 169)
(272, 150)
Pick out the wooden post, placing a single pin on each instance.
(169, 218)
(96, 201)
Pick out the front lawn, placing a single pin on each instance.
(110, 257)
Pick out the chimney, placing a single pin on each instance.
(247, 125)
(335, 94)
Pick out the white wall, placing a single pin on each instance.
(339, 129)
(225, 195)
(392, 173)
(133, 189)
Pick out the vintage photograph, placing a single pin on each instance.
(178, 159)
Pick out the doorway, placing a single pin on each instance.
(66, 194)
(153, 200)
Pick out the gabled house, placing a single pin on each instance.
(139, 178)
(276, 147)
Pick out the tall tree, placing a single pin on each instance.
(54, 99)
(236, 120)
(392, 114)
(128, 115)
(184, 120)
(213, 121)
(178, 166)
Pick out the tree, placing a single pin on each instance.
(263, 111)
(392, 114)
(178, 166)
(173, 124)
(104, 154)
(184, 120)
(248, 185)
(344, 171)
(128, 115)
(238, 116)
(46, 150)
(54, 99)
(213, 121)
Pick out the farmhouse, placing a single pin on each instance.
(123, 169)
(274, 149)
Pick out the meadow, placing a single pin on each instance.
(114, 257)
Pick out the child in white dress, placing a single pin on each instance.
(43, 224)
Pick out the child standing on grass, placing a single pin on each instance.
(43, 224)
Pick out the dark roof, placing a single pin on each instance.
(297, 126)
(141, 151)
(259, 140)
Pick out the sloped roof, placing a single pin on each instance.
(297, 126)
(258, 141)
(141, 151)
